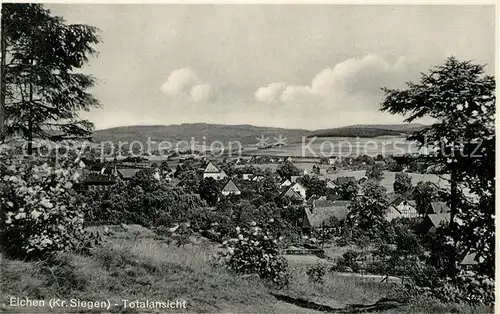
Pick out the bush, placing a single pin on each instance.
(255, 251)
(316, 273)
(42, 214)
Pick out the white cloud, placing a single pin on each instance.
(200, 93)
(185, 83)
(269, 93)
(352, 77)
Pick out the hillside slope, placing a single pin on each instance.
(246, 134)
(367, 130)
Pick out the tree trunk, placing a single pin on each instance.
(453, 211)
(3, 80)
(30, 117)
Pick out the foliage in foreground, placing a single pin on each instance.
(42, 213)
(255, 251)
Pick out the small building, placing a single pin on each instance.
(127, 173)
(439, 208)
(295, 192)
(230, 189)
(332, 161)
(400, 207)
(285, 183)
(213, 172)
(471, 261)
(247, 176)
(433, 221)
(323, 211)
(330, 185)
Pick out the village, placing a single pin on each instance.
(159, 158)
(322, 205)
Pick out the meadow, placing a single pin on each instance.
(135, 263)
(338, 147)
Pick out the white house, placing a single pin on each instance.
(247, 176)
(212, 171)
(299, 189)
(230, 188)
(285, 183)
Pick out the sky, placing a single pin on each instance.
(293, 66)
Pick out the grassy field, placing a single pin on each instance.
(338, 147)
(139, 266)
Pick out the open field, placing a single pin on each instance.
(338, 147)
(137, 265)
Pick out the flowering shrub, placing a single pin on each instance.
(255, 251)
(41, 211)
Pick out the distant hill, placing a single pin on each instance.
(246, 134)
(367, 130)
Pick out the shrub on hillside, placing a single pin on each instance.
(316, 273)
(255, 251)
(41, 212)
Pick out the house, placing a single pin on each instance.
(322, 212)
(213, 172)
(433, 221)
(247, 176)
(98, 179)
(230, 188)
(299, 189)
(295, 191)
(330, 185)
(285, 183)
(439, 208)
(332, 161)
(288, 159)
(127, 173)
(400, 207)
(471, 261)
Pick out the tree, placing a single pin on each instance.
(268, 189)
(461, 97)
(209, 191)
(375, 172)
(313, 185)
(347, 190)
(42, 90)
(367, 213)
(424, 194)
(190, 181)
(164, 167)
(287, 170)
(402, 183)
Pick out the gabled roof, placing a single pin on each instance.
(127, 173)
(438, 219)
(470, 259)
(210, 168)
(230, 187)
(318, 215)
(439, 207)
(330, 185)
(322, 203)
(291, 193)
